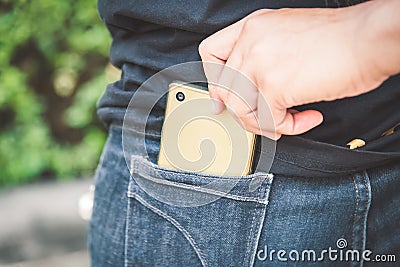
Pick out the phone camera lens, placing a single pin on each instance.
(180, 96)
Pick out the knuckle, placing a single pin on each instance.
(224, 93)
(213, 91)
(204, 47)
(258, 12)
(231, 109)
(250, 23)
(225, 96)
(285, 127)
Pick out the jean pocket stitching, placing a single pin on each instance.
(357, 195)
(263, 200)
(362, 206)
(151, 173)
(174, 222)
(248, 243)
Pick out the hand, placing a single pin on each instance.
(293, 57)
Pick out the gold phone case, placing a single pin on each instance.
(194, 139)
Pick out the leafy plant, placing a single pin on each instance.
(52, 71)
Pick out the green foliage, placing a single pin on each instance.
(52, 71)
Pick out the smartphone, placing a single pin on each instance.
(193, 139)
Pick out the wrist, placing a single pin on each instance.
(381, 31)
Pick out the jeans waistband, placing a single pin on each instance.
(299, 156)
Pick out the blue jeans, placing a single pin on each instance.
(313, 211)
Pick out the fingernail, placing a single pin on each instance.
(216, 107)
(213, 107)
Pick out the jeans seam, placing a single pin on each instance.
(128, 211)
(248, 244)
(365, 213)
(174, 222)
(259, 174)
(208, 190)
(261, 222)
(363, 190)
(144, 133)
(248, 249)
(353, 242)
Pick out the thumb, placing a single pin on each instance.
(296, 122)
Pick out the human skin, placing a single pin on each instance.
(298, 56)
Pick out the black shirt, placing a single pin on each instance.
(149, 36)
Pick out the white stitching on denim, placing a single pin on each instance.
(365, 212)
(134, 166)
(144, 133)
(136, 160)
(261, 221)
(128, 211)
(249, 239)
(366, 188)
(174, 222)
(355, 212)
(251, 233)
(268, 189)
(149, 165)
(205, 190)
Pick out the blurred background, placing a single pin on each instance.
(53, 69)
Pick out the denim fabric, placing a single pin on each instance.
(301, 207)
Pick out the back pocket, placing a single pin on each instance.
(179, 218)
